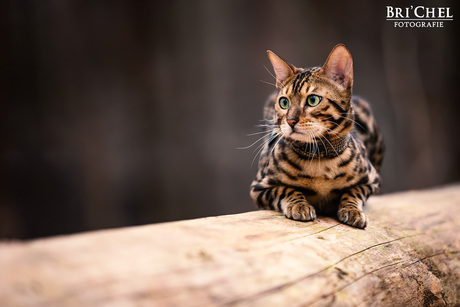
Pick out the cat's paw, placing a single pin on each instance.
(300, 212)
(352, 217)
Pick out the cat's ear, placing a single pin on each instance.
(283, 70)
(339, 67)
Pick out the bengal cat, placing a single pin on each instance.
(323, 149)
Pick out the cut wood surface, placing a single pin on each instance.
(407, 256)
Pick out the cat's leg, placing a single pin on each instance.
(351, 206)
(284, 199)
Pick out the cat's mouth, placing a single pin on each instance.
(289, 131)
(302, 133)
(297, 135)
(296, 131)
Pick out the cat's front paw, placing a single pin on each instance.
(300, 212)
(352, 217)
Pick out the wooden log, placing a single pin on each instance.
(407, 256)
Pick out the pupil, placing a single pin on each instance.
(284, 102)
(313, 100)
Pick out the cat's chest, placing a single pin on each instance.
(318, 175)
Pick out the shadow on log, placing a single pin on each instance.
(407, 256)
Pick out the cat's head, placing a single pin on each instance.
(314, 103)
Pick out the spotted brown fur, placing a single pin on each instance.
(322, 158)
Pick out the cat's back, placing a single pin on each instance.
(367, 130)
(269, 108)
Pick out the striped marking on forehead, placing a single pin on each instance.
(302, 78)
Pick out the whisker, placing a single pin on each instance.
(317, 147)
(335, 132)
(329, 129)
(274, 76)
(266, 120)
(337, 154)
(274, 146)
(311, 146)
(267, 142)
(258, 140)
(323, 143)
(262, 146)
(266, 82)
(267, 126)
(344, 117)
(260, 132)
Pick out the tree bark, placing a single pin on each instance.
(407, 256)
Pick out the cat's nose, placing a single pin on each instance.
(292, 121)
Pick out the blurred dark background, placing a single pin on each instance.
(117, 113)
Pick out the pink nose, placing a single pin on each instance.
(292, 122)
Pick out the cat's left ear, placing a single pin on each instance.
(339, 67)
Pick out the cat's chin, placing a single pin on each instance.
(296, 137)
(303, 135)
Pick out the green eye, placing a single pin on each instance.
(284, 103)
(313, 100)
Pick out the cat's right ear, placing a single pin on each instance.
(283, 70)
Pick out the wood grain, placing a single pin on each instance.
(407, 256)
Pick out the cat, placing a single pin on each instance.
(323, 149)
